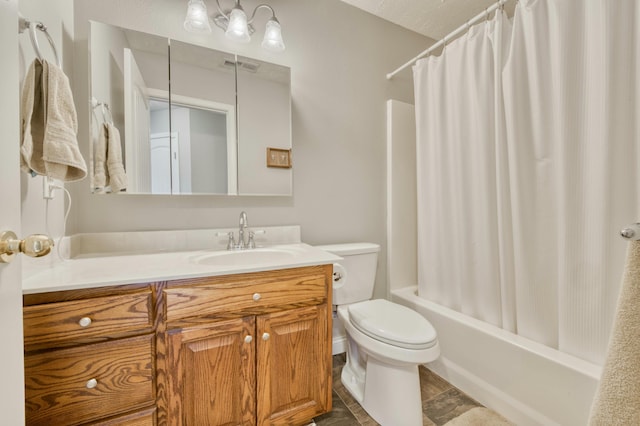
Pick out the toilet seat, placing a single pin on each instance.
(391, 323)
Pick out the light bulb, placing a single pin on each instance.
(197, 20)
(273, 36)
(238, 29)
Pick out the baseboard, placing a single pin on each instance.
(339, 345)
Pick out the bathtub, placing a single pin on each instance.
(528, 383)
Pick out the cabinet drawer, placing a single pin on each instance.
(140, 418)
(87, 320)
(79, 385)
(247, 293)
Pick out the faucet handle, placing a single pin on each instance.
(252, 244)
(231, 243)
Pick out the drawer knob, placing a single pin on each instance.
(91, 383)
(256, 296)
(85, 322)
(248, 339)
(265, 336)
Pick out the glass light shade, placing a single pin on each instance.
(238, 29)
(273, 36)
(197, 20)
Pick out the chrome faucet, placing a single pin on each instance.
(243, 229)
(243, 226)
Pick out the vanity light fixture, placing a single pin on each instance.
(197, 20)
(238, 27)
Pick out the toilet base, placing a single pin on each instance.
(390, 394)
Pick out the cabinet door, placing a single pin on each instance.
(213, 374)
(294, 366)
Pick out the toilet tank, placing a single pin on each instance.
(355, 276)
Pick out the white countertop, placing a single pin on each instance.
(142, 268)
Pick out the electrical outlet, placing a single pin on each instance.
(47, 188)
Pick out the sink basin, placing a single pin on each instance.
(259, 256)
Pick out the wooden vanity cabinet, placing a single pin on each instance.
(245, 349)
(249, 350)
(90, 357)
(294, 377)
(210, 376)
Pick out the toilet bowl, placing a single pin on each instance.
(382, 359)
(385, 342)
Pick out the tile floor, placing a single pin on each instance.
(441, 401)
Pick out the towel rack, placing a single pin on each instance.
(24, 24)
(631, 232)
(104, 106)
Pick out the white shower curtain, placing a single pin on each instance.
(460, 132)
(531, 218)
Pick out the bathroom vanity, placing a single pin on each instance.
(212, 348)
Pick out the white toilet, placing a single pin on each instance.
(385, 341)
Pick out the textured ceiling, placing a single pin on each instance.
(432, 18)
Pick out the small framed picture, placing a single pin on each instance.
(277, 157)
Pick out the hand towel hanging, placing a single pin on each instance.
(50, 125)
(109, 172)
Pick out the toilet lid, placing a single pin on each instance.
(392, 323)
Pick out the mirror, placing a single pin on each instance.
(203, 120)
(124, 64)
(264, 104)
(223, 127)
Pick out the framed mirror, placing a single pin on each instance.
(223, 126)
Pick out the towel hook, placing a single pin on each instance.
(104, 114)
(105, 107)
(631, 232)
(33, 26)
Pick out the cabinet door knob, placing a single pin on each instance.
(85, 322)
(265, 336)
(248, 339)
(256, 296)
(91, 383)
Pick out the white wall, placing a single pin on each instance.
(402, 203)
(57, 15)
(339, 56)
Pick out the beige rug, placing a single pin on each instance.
(479, 416)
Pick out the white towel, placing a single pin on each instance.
(49, 144)
(617, 400)
(108, 169)
(100, 179)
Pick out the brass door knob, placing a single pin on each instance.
(36, 245)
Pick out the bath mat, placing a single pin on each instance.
(479, 416)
